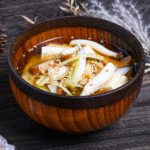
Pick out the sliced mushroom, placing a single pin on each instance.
(96, 46)
(65, 54)
(42, 67)
(123, 63)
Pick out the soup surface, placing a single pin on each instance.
(80, 68)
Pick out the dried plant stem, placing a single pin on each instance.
(28, 19)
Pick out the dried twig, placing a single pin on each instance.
(28, 19)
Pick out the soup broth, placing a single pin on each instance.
(78, 69)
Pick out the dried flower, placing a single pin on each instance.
(74, 9)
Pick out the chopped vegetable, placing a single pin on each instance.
(55, 83)
(99, 80)
(52, 88)
(64, 54)
(42, 88)
(123, 80)
(41, 68)
(88, 50)
(50, 52)
(79, 66)
(43, 80)
(123, 70)
(78, 57)
(111, 83)
(55, 73)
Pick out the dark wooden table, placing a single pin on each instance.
(130, 132)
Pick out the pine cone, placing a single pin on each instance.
(2, 40)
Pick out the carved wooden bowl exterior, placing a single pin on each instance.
(67, 114)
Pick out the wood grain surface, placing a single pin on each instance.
(132, 132)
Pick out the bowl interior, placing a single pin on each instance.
(61, 35)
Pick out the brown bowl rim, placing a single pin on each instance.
(13, 73)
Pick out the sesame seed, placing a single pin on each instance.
(23, 55)
(89, 38)
(30, 50)
(43, 72)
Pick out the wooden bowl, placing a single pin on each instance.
(76, 114)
